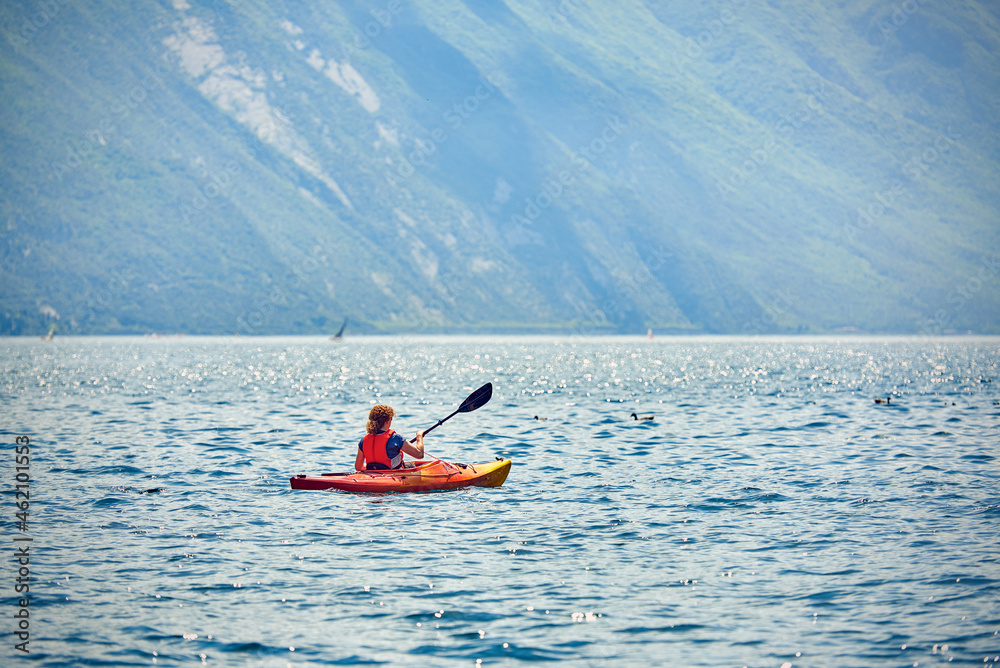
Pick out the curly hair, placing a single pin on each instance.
(377, 417)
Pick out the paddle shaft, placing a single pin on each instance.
(440, 422)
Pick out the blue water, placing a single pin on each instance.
(771, 513)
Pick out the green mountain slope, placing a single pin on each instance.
(499, 166)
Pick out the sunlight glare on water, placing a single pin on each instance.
(768, 512)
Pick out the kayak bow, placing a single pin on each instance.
(424, 476)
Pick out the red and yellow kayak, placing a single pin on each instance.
(423, 476)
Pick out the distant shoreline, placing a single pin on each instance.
(360, 338)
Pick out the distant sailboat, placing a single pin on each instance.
(340, 335)
(51, 334)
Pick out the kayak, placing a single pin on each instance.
(421, 476)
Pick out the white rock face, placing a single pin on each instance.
(241, 91)
(347, 78)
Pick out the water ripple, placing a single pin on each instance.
(770, 512)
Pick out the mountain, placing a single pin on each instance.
(492, 166)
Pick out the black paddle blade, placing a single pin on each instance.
(471, 403)
(477, 398)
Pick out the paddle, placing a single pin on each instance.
(475, 400)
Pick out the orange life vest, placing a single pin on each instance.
(373, 447)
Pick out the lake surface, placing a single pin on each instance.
(771, 513)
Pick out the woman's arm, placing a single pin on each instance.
(415, 450)
(359, 461)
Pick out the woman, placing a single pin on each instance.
(382, 448)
